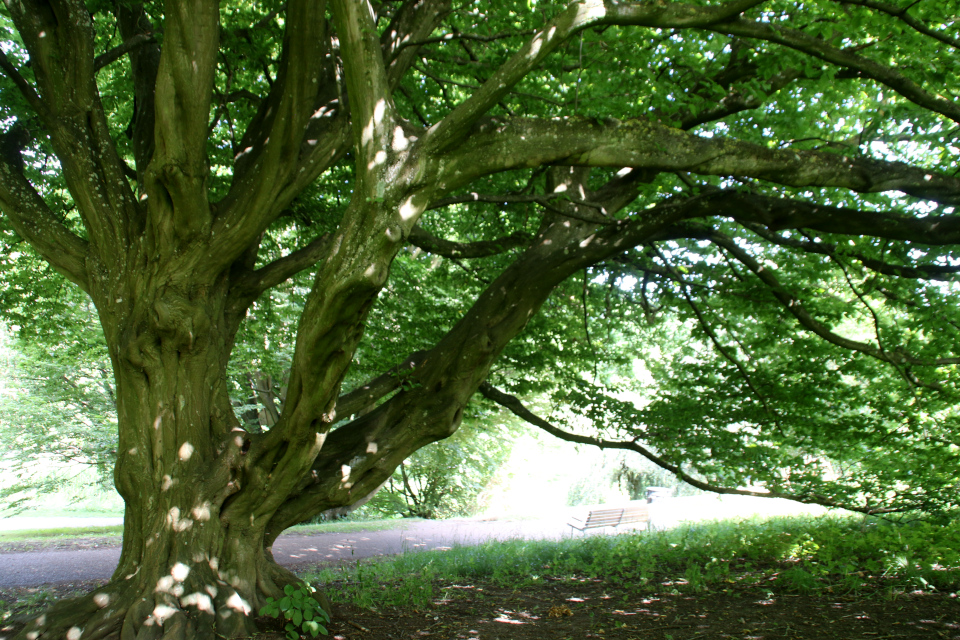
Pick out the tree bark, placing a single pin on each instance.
(187, 569)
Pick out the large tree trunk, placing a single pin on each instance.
(194, 562)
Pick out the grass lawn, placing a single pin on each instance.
(84, 537)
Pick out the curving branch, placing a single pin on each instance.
(32, 220)
(516, 407)
(25, 88)
(270, 158)
(576, 17)
(408, 30)
(59, 37)
(134, 42)
(897, 357)
(466, 250)
(250, 284)
(783, 213)
(847, 58)
(736, 101)
(900, 13)
(363, 397)
(499, 145)
(919, 272)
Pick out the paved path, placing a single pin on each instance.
(65, 565)
(300, 551)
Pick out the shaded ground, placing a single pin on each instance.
(593, 609)
(548, 609)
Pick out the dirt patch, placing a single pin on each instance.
(595, 609)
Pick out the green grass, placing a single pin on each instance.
(69, 511)
(64, 534)
(799, 555)
(60, 533)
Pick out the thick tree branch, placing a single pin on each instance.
(32, 220)
(499, 145)
(782, 213)
(59, 36)
(515, 406)
(119, 51)
(371, 105)
(326, 137)
(816, 47)
(466, 250)
(176, 178)
(921, 272)
(26, 89)
(269, 167)
(407, 31)
(252, 284)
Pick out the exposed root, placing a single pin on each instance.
(193, 608)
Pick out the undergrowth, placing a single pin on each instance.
(799, 555)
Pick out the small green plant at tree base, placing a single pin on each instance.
(303, 612)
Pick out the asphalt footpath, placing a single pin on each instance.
(300, 552)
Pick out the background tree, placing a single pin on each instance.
(775, 178)
(447, 478)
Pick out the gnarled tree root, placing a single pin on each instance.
(185, 605)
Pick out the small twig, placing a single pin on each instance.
(355, 625)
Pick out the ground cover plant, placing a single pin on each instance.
(785, 555)
(314, 236)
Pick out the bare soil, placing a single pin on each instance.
(595, 609)
(574, 609)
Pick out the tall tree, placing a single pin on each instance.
(178, 160)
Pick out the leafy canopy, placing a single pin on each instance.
(774, 184)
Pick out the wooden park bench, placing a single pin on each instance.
(611, 518)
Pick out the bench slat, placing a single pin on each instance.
(611, 518)
(635, 514)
